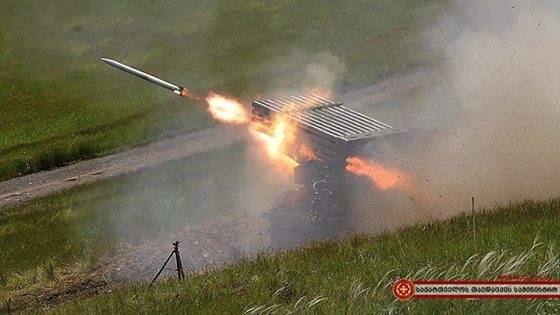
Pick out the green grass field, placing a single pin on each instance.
(91, 220)
(355, 275)
(59, 103)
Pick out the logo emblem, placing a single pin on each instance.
(403, 289)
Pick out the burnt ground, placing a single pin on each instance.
(210, 246)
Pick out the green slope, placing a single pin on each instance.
(355, 275)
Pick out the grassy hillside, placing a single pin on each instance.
(355, 276)
(89, 221)
(59, 102)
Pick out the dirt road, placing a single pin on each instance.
(46, 182)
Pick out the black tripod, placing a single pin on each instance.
(180, 273)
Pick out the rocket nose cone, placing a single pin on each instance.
(109, 61)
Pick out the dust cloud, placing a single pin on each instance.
(494, 115)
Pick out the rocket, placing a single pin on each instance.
(177, 89)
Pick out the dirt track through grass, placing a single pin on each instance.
(47, 182)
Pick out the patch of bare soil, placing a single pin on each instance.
(50, 297)
(215, 245)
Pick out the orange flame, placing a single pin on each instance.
(307, 152)
(283, 136)
(383, 177)
(226, 109)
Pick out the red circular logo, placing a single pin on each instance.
(403, 289)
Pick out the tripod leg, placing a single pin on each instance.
(180, 272)
(162, 267)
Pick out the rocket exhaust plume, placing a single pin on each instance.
(383, 177)
(226, 109)
(221, 108)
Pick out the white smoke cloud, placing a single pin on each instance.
(323, 71)
(496, 110)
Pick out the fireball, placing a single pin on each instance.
(282, 137)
